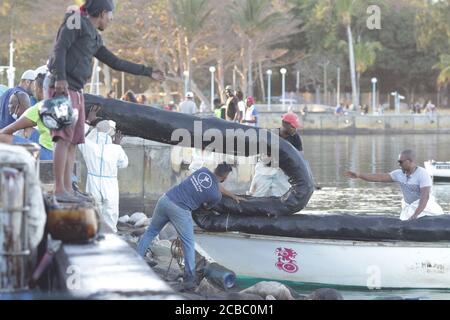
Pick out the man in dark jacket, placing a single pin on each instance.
(232, 110)
(70, 67)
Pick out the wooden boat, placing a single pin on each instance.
(348, 263)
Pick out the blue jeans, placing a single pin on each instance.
(167, 211)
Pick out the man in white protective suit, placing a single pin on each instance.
(104, 155)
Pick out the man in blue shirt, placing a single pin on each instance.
(26, 85)
(201, 189)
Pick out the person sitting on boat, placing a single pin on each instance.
(268, 181)
(415, 183)
(288, 130)
(202, 189)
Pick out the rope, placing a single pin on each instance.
(177, 254)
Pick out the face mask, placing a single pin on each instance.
(14, 116)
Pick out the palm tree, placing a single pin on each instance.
(252, 19)
(190, 17)
(444, 67)
(365, 57)
(344, 10)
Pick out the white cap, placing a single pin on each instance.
(29, 75)
(189, 95)
(41, 70)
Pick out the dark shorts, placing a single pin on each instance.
(75, 132)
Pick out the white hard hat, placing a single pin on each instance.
(189, 95)
(29, 75)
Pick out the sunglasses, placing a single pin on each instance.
(400, 162)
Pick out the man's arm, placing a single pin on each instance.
(22, 123)
(107, 57)
(229, 194)
(378, 177)
(424, 198)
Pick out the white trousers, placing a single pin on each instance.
(432, 209)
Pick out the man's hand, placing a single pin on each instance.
(28, 132)
(238, 199)
(118, 137)
(414, 217)
(158, 75)
(351, 175)
(61, 88)
(92, 116)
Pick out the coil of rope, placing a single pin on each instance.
(176, 251)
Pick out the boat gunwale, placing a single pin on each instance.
(348, 242)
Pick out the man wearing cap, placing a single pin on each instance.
(70, 67)
(289, 128)
(26, 86)
(28, 120)
(188, 106)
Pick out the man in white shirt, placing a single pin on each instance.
(250, 114)
(415, 183)
(188, 106)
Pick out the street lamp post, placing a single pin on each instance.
(11, 69)
(283, 72)
(338, 96)
(186, 82)
(398, 99)
(97, 85)
(269, 90)
(212, 70)
(374, 95)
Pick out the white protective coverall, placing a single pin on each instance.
(103, 159)
(269, 182)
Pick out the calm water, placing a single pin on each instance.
(331, 156)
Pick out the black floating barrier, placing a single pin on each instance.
(333, 227)
(159, 125)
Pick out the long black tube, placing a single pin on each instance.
(159, 125)
(334, 227)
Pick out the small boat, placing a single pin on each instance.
(438, 170)
(327, 262)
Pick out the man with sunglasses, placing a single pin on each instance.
(415, 183)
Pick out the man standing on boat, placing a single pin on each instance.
(70, 67)
(415, 183)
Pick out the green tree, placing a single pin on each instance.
(256, 23)
(444, 67)
(365, 57)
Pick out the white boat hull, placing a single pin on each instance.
(374, 265)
